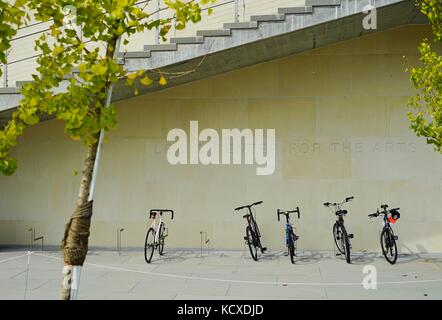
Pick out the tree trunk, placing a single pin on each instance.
(75, 241)
(76, 234)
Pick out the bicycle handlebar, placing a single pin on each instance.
(287, 213)
(327, 204)
(248, 206)
(385, 212)
(153, 212)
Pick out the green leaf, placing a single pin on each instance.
(132, 76)
(57, 50)
(162, 81)
(99, 69)
(33, 102)
(82, 67)
(118, 13)
(8, 167)
(146, 81)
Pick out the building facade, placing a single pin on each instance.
(340, 118)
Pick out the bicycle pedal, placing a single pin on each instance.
(396, 237)
(264, 249)
(245, 238)
(337, 254)
(350, 235)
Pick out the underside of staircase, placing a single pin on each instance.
(282, 33)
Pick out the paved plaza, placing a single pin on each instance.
(186, 274)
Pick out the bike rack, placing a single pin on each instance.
(119, 231)
(205, 242)
(32, 239)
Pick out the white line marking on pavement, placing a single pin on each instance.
(246, 281)
(14, 258)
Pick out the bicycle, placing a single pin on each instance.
(290, 237)
(340, 235)
(253, 235)
(388, 238)
(156, 234)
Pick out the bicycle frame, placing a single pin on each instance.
(288, 232)
(385, 223)
(339, 229)
(288, 225)
(155, 225)
(251, 221)
(158, 221)
(335, 207)
(387, 236)
(252, 225)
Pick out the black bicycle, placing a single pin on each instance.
(340, 235)
(253, 235)
(156, 234)
(388, 238)
(290, 237)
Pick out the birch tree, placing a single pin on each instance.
(84, 106)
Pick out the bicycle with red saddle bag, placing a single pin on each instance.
(388, 238)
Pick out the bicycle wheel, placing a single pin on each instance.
(295, 244)
(149, 245)
(291, 247)
(345, 244)
(161, 239)
(251, 241)
(388, 245)
(257, 237)
(337, 236)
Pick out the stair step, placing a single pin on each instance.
(241, 25)
(161, 47)
(134, 54)
(187, 40)
(9, 90)
(20, 84)
(268, 17)
(296, 10)
(214, 33)
(322, 3)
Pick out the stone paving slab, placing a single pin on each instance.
(186, 274)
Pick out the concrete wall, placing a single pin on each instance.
(341, 129)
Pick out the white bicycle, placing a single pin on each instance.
(156, 234)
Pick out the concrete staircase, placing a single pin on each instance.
(265, 37)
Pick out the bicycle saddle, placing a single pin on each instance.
(246, 215)
(341, 212)
(384, 206)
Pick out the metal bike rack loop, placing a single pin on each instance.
(32, 239)
(204, 242)
(119, 231)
